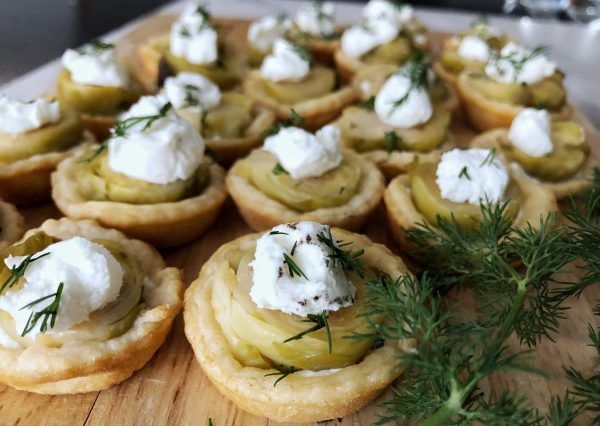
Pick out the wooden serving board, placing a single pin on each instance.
(172, 389)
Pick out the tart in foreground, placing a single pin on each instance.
(268, 315)
(517, 78)
(553, 152)
(453, 187)
(231, 123)
(289, 79)
(298, 175)
(194, 44)
(11, 224)
(405, 113)
(83, 307)
(150, 179)
(94, 83)
(34, 137)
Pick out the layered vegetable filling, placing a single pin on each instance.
(569, 152)
(333, 188)
(426, 196)
(362, 129)
(548, 93)
(54, 137)
(269, 338)
(111, 321)
(319, 82)
(94, 99)
(98, 182)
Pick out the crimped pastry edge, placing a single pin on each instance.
(297, 398)
(93, 366)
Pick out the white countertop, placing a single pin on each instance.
(574, 47)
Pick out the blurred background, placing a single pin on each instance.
(36, 31)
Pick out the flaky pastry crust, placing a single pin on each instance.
(99, 125)
(561, 189)
(27, 181)
(536, 201)
(92, 366)
(163, 224)
(316, 112)
(11, 224)
(261, 212)
(299, 397)
(485, 114)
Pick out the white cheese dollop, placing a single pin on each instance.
(284, 63)
(169, 150)
(193, 37)
(326, 288)
(303, 154)
(191, 90)
(316, 18)
(360, 39)
(91, 279)
(18, 116)
(475, 48)
(415, 110)
(532, 67)
(377, 10)
(95, 65)
(263, 32)
(472, 175)
(530, 132)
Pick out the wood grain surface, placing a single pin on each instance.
(171, 388)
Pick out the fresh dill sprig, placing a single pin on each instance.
(293, 267)
(123, 126)
(282, 372)
(348, 260)
(464, 173)
(210, 421)
(278, 233)
(302, 51)
(368, 104)
(95, 47)
(279, 170)
(17, 272)
(47, 314)
(512, 272)
(517, 59)
(416, 70)
(391, 139)
(294, 120)
(320, 321)
(489, 159)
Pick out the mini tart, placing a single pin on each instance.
(11, 224)
(535, 201)
(316, 111)
(155, 62)
(162, 224)
(260, 211)
(229, 148)
(486, 114)
(98, 106)
(396, 161)
(26, 180)
(86, 366)
(578, 182)
(299, 397)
